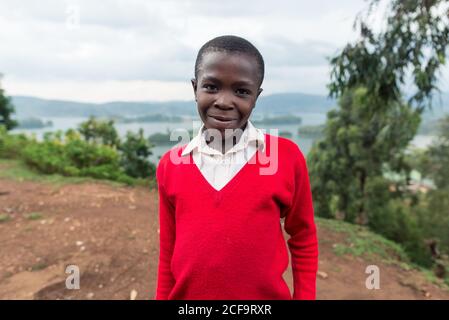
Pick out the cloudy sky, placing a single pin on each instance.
(145, 49)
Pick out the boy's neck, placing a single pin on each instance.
(227, 143)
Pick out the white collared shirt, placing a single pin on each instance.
(218, 168)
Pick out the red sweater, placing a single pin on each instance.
(229, 244)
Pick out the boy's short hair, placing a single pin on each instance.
(231, 44)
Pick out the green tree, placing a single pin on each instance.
(366, 136)
(135, 151)
(359, 144)
(100, 132)
(415, 39)
(396, 219)
(435, 163)
(6, 110)
(433, 210)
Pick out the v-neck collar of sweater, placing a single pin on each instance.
(251, 134)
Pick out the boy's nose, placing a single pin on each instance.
(224, 101)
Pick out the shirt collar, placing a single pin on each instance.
(251, 134)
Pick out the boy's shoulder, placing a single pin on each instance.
(281, 145)
(168, 162)
(284, 145)
(288, 156)
(171, 154)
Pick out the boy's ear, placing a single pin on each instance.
(194, 85)
(259, 91)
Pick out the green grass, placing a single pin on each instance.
(34, 216)
(39, 266)
(4, 217)
(431, 277)
(17, 170)
(28, 229)
(360, 241)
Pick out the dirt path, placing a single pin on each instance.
(111, 233)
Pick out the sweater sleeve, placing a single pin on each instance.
(165, 280)
(300, 225)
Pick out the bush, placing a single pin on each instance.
(99, 132)
(395, 220)
(47, 156)
(135, 151)
(94, 151)
(433, 217)
(72, 156)
(11, 145)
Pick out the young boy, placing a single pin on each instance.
(220, 205)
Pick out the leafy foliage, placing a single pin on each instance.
(70, 155)
(433, 208)
(135, 151)
(11, 146)
(359, 144)
(6, 110)
(94, 150)
(100, 132)
(360, 170)
(435, 163)
(415, 38)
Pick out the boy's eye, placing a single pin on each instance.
(210, 87)
(242, 92)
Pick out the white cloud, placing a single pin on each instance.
(152, 45)
(101, 91)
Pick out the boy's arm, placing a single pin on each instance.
(165, 280)
(300, 225)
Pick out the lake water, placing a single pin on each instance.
(305, 143)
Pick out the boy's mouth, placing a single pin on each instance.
(221, 119)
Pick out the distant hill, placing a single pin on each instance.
(440, 107)
(282, 103)
(37, 107)
(294, 102)
(273, 104)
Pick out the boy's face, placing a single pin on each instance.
(226, 90)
